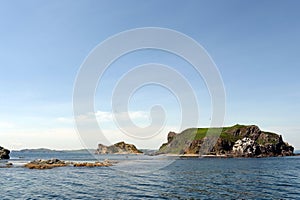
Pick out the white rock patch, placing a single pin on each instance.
(245, 145)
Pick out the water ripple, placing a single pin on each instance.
(267, 178)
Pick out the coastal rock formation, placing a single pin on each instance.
(235, 141)
(118, 148)
(4, 153)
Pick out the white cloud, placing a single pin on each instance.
(138, 115)
(108, 116)
(104, 116)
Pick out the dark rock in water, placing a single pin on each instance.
(235, 141)
(4, 153)
(118, 148)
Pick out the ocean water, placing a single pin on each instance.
(152, 177)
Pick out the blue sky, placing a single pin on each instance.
(255, 45)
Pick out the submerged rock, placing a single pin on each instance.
(4, 153)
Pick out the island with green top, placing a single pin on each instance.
(234, 141)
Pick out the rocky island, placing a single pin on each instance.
(235, 141)
(4, 153)
(118, 148)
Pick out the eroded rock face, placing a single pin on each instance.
(118, 148)
(4, 153)
(171, 135)
(253, 132)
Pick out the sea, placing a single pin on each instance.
(152, 177)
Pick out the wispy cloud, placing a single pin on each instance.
(108, 116)
(103, 116)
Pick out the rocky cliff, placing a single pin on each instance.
(4, 153)
(235, 141)
(118, 148)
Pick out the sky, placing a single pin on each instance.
(254, 44)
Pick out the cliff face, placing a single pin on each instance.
(237, 141)
(118, 148)
(4, 153)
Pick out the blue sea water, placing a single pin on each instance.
(151, 177)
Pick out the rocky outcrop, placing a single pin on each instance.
(118, 148)
(45, 164)
(52, 163)
(235, 141)
(4, 153)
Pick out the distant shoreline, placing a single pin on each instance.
(44, 150)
